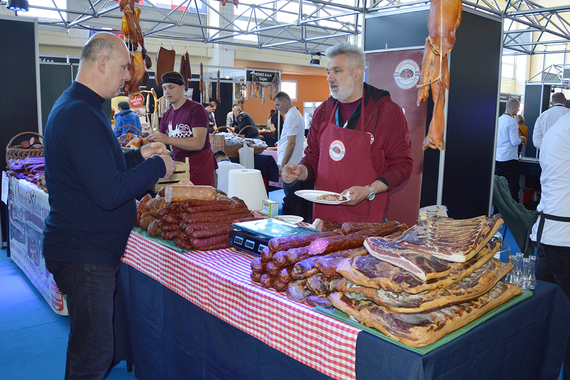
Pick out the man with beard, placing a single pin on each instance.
(358, 143)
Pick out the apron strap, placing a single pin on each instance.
(543, 217)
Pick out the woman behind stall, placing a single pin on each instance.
(523, 131)
(184, 126)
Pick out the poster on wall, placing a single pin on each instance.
(398, 72)
(27, 208)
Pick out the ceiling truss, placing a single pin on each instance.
(312, 25)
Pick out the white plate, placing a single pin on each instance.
(311, 195)
(290, 218)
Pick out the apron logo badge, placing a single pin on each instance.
(407, 74)
(337, 150)
(371, 137)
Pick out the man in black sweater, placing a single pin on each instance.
(92, 187)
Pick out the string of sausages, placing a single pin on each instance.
(193, 224)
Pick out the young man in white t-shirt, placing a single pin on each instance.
(290, 145)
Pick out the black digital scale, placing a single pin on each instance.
(254, 235)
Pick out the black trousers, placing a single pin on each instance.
(510, 170)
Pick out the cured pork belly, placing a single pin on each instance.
(476, 284)
(421, 329)
(371, 272)
(450, 239)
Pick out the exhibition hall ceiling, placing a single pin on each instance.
(301, 26)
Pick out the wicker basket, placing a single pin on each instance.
(128, 126)
(18, 153)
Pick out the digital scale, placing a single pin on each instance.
(253, 236)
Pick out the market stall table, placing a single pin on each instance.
(28, 206)
(197, 315)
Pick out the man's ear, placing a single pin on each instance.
(102, 63)
(358, 74)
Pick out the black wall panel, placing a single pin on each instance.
(18, 75)
(472, 105)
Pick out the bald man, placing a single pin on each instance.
(92, 188)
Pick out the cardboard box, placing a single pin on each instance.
(270, 207)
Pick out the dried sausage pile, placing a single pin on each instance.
(304, 265)
(193, 224)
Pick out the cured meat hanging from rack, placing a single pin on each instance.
(164, 63)
(443, 20)
(218, 89)
(201, 78)
(185, 70)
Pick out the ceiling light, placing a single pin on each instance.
(18, 5)
(315, 59)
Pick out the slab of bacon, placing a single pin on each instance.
(378, 274)
(421, 329)
(476, 284)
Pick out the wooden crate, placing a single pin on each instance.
(181, 172)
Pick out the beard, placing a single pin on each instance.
(342, 93)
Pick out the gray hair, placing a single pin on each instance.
(353, 52)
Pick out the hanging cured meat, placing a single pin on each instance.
(164, 63)
(443, 20)
(201, 79)
(188, 70)
(137, 72)
(218, 89)
(183, 71)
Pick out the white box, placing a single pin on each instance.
(270, 207)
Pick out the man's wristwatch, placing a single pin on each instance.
(372, 193)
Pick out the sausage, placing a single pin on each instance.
(162, 212)
(170, 219)
(284, 275)
(169, 227)
(327, 264)
(154, 229)
(187, 204)
(141, 209)
(257, 265)
(294, 255)
(216, 218)
(351, 227)
(280, 286)
(287, 242)
(224, 230)
(174, 207)
(169, 235)
(266, 280)
(145, 221)
(280, 259)
(214, 206)
(203, 244)
(213, 213)
(183, 236)
(179, 193)
(272, 268)
(266, 254)
(335, 243)
(255, 277)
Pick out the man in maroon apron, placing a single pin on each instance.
(358, 143)
(184, 127)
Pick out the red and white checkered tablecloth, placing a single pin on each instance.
(219, 282)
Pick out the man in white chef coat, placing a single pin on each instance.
(549, 117)
(508, 140)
